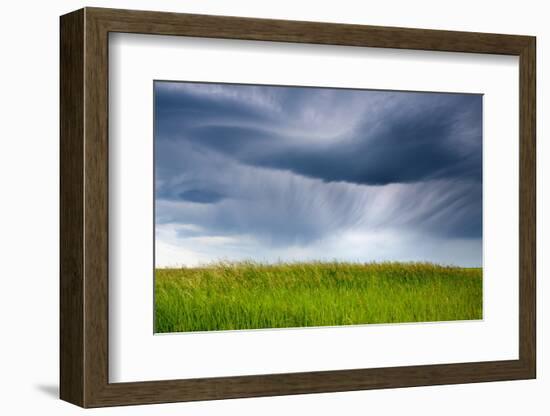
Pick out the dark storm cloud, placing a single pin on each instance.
(275, 206)
(402, 148)
(279, 207)
(418, 136)
(286, 166)
(201, 196)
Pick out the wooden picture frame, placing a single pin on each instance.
(84, 207)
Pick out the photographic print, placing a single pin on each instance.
(290, 206)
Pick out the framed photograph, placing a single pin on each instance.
(254, 207)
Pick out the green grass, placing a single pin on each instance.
(248, 295)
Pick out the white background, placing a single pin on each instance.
(136, 355)
(29, 220)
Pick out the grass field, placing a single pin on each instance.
(251, 295)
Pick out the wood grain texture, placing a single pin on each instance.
(71, 208)
(84, 207)
(96, 208)
(162, 23)
(527, 208)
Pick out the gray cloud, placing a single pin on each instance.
(281, 167)
(384, 138)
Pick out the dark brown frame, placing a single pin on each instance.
(84, 209)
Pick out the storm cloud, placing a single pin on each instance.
(289, 173)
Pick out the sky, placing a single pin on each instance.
(276, 173)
